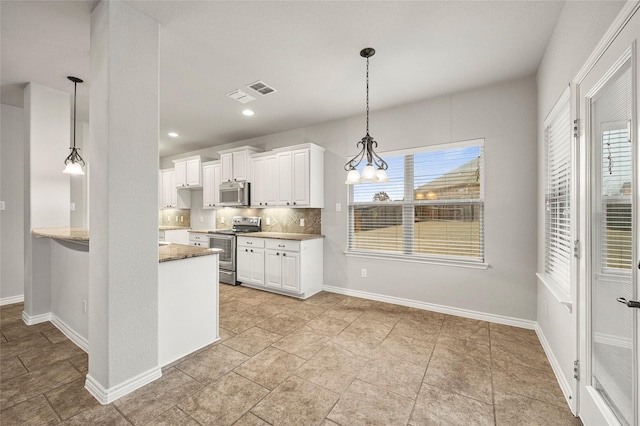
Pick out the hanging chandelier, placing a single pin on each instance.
(74, 162)
(375, 170)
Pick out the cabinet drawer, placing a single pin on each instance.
(283, 245)
(251, 242)
(195, 236)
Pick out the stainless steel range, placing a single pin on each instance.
(225, 239)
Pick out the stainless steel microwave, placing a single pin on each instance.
(235, 194)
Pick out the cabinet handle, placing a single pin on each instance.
(246, 250)
(294, 203)
(284, 254)
(287, 203)
(251, 250)
(280, 245)
(277, 254)
(260, 203)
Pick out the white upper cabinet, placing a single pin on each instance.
(292, 177)
(211, 178)
(236, 163)
(171, 197)
(188, 172)
(257, 181)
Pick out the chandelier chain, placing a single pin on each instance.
(367, 95)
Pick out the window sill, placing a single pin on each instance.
(418, 259)
(560, 293)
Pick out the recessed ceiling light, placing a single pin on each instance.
(173, 134)
(248, 112)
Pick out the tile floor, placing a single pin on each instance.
(329, 360)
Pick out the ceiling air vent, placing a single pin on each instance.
(241, 96)
(261, 87)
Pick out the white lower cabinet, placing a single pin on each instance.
(177, 236)
(250, 261)
(198, 239)
(283, 266)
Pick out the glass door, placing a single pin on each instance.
(608, 383)
(612, 244)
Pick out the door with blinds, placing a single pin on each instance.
(609, 282)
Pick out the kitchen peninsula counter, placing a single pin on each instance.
(187, 291)
(166, 253)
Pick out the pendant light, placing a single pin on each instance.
(74, 163)
(375, 170)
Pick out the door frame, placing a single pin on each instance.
(599, 408)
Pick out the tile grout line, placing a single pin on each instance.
(493, 387)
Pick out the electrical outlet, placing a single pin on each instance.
(338, 207)
(181, 219)
(176, 218)
(363, 273)
(201, 219)
(301, 222)
(268, 221)
(221, 219)
(545, 309)
(169, 219)
(1, 205)
(84, 307)
(73, 207)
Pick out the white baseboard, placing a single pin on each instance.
(36, 319)
(466, 313)
(80, 341)
(107, 396)
(11, 300)
(565, 386)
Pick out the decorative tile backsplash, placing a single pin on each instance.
(280, 219)
(171, 217)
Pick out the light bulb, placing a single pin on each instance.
(353, 177)
(73, 169)
(382, 176)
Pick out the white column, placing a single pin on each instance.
(47, 114)
(123, 276)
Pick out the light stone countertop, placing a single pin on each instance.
(169, 252)
(172, 228)
(282, 236)
(166, 252)
(63, 233)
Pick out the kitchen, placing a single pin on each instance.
(505, 291)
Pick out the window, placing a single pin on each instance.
(431, 208)
(557, 265)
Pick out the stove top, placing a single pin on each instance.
(241, 225)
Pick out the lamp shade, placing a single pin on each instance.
(353, 177)
(381, 176)
(369, 173)
(73, 169)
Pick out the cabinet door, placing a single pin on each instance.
(192, 170)
(271, 189)
(226, 160)
(240, 165)
(169, 192)
(257, 266)
(217, 180)
(300, 178)
(243, 264)
(284, 178)
(257, 182)
(273, 269)
(289, 271)
(207, 186)
(173, 190)
(181, 173)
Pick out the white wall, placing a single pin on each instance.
(579, 29)
(12, 193)
(503, 114)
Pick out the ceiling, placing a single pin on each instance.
(307, 50)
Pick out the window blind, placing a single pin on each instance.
(432, 205)
(558, 194)
(616, 175)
